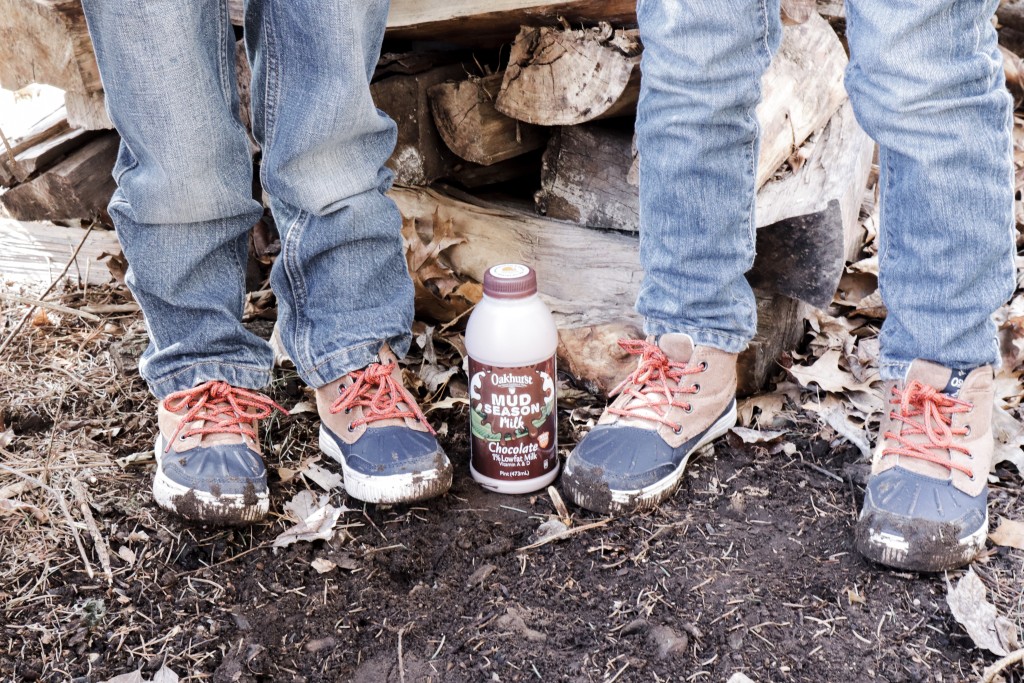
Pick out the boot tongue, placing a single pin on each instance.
(934, 375)
(678, 347)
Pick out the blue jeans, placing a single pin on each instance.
(926, 82)
(184, 202)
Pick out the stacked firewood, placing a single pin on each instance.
(515, 143)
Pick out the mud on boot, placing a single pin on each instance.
(679, 398)
(209, 465)
(373, 427)
(925, 507)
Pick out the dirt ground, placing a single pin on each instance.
(748, 568)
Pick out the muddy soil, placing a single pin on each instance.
(748, 568)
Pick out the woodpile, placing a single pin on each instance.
(516, 142)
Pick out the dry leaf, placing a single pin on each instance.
(8, 506)
(6, 437)
(133, 677)
(826, 373)
(165, 675)
(979, 617)
(755, 435)
(322, 566)
(768, 406)
(303, 407)
(126, 554)
(314, 519)
(834, 412)
(322, 477)
(552, 527)
(440, 292)
(1009, 439)
(1010, 534)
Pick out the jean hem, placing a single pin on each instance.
(235, 374)
(339, 363)
(722, 341)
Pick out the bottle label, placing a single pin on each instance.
(513, 423)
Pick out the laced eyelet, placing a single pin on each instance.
(968, 428)
(348, 410)
(703, 365)
(973, 477)
(351, 428)
(688, 409)
(678, 430)
(696, 388)
(182, 437)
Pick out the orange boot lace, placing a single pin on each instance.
(652, 391)
(926, 410)
(378, 393)
(224, 409)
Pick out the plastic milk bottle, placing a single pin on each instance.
(511, 340)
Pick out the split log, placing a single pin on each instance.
(79, 187)
(568, 77)
(32, 160)
(587, 179)
(50, 126)
(420, 156)
(46, 42)
(469, 124)
(563, 77)
(797, 11)
(486, 23)
(87, 110)
(593, 300)
(1011, 13)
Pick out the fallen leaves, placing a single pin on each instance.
(314, 519)
(1010, 534)
(970, 607)
(440, 293)
(163, 675)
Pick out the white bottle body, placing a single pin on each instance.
(513, 337)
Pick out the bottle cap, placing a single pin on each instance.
(510, 281)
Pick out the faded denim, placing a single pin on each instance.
(184, 205)
(926, 82)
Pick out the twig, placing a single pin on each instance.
(97, 538)
(112, 309)
(616, 676)
(35, 303)
(401, 659)
(565, 534)
(64, 508)
(556, 500)
(10, 155)
(1009, 660)
(28, 314)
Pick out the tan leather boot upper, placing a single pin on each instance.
(678, 389)
(936, 434)
(358, 401)
(210, 415)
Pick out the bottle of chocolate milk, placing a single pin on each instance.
(511, 339)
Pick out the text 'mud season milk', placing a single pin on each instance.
(511, 341)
